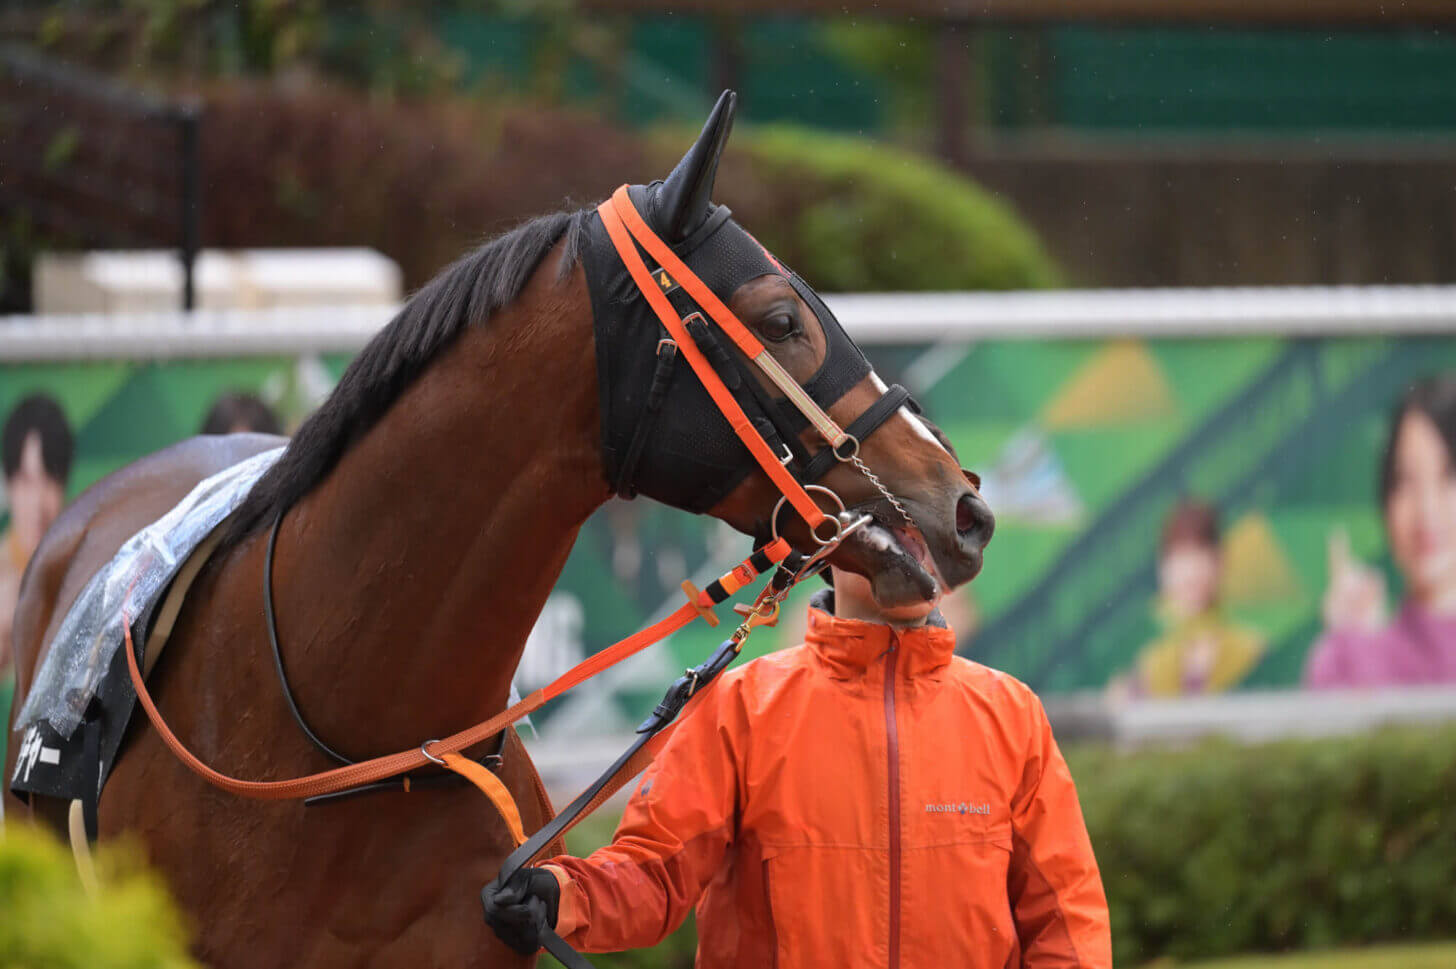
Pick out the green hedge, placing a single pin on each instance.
(1424, 955)
(851, 215)
(422, 181)
(1294, 845)
(47, 921)
(1222, 849)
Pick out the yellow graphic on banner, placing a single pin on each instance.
(1122, 382)
(1255, 566)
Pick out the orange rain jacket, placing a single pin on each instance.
(866, 799)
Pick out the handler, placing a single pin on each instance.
(865, 799)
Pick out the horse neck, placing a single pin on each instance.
(406, 584)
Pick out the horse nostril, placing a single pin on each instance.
(974, 522)
(965, 514)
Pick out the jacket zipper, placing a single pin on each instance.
(773, 927)
(892, 735)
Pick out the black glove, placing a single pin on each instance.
(521, 910)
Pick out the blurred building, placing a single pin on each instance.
(152, 280)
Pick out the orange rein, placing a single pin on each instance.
(393, 765)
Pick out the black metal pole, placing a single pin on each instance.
(187, 127)
(727, 64)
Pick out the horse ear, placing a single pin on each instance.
(684, 197)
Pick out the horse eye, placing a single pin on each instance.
(780, 326)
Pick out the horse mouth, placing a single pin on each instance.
(897, 560)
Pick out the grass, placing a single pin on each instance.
(1439, 955)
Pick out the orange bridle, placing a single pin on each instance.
(627, 229)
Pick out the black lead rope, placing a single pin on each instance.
(672, 703)
(563, 952)
(665, 713)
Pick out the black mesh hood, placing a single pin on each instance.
(692, 458)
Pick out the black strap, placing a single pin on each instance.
(767, 415)
(490, 761)
(661, 376)
(272, 624)
(778, 419)
(862, 427)
(409, 782)
(91, 755)
(756, 405)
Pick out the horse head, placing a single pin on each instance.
(663, 435)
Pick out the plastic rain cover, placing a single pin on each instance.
(91, 632)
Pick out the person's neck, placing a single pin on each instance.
(849, 608)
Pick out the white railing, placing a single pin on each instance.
(568, 763)
(1247, 716)
(870, 317)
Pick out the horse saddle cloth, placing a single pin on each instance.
(75, 767)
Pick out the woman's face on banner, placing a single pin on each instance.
(1420, 511)
(35, 497)
(1188, 578)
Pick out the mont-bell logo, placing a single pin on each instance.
(959, 807)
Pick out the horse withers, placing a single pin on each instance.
(426, 509)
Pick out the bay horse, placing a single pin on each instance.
(426, 509)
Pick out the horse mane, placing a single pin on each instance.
(465, 293)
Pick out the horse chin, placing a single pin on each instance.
(897, 563)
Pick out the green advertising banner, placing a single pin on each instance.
(1171, 513)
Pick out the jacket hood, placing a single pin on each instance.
(848, 647)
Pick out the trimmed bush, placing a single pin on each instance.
(854, 215)
(1295, 845)
(48, 920)
(422, 182)
(1425, 955)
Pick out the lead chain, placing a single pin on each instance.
(875, 480)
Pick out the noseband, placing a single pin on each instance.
(767, 427)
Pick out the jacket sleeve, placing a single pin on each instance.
(677, 827)
(1054, 887)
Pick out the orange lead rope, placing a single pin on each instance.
(381, 768)
(493, 788)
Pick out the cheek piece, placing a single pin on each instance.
(662, 435)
